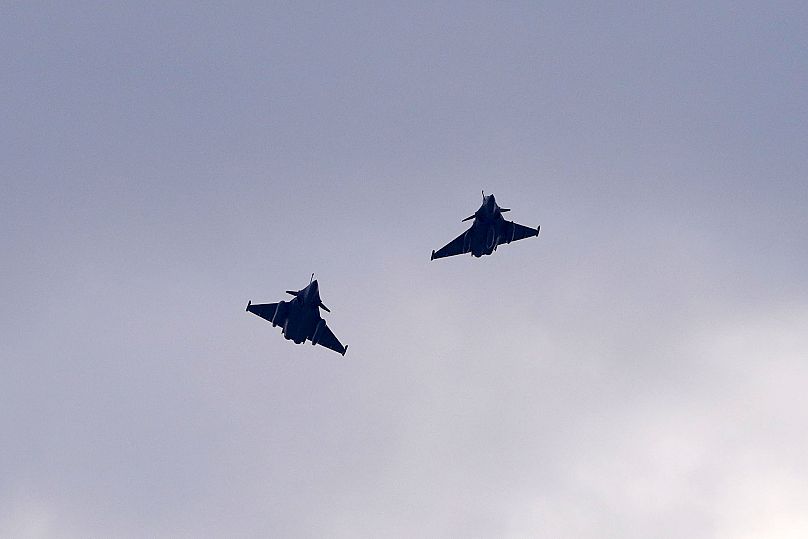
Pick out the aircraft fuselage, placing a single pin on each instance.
(484, 236)
(302, 314)
(300, 322)
(486, 232)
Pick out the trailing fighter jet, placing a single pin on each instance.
(488, 231)
(300, 317)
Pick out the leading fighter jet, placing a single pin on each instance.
(300, 317)
(488, 231)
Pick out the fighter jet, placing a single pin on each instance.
(488, 231)
(300, 317)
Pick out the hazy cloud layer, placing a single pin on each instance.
(639, 370)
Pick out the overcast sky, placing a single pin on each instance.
(639, 370)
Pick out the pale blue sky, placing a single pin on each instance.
(636, 371)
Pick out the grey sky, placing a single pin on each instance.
(639, 370)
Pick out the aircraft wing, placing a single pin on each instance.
(325, 337)
(513, 231)
(266, 311)
(454, 247)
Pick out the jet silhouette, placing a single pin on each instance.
(300, 317)
(487, 232)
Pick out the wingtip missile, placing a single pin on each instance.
(248, 305)
(433, 255)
